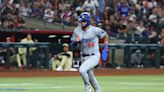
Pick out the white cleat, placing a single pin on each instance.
(88, 89)
(59, 69)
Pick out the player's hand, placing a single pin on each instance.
(77, 38)
(55, 56)
(105, 52)
(106, 42)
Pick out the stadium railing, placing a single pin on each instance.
(47, 46)
(17, 45)
(128, 48)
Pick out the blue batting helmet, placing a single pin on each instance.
(85, 16)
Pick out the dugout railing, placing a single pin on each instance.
(128, 49)
(16, 45)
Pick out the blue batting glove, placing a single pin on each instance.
(105, 52)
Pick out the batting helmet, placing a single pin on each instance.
(85, 16)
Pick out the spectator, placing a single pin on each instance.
(63, 60)
(6, 8)
(136, 59)
(123, 8)
(47, 4)
(140, 28)
(7, 20)
(79, 9)
(24, 9)
(89, 6)
(49, 15)
(153, 18)
(23, 51)
(123, 34)
(132, 24)
(152, 34)
(14, 57)
(54, 3)
(19, 22)
(161, 19)
(134, 1)
(113, 24)
(62, 5)
(101, 7)
(37, 9)
(145, 10)
(67, 16)
(97, 18)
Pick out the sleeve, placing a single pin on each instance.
(73, 38)
(73, 43)
(100, 33)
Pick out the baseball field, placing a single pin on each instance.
(112, 83)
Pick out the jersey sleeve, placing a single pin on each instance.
(73, 36)
(100, 33)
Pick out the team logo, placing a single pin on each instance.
(83, 16)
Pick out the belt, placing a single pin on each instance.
(85, 55)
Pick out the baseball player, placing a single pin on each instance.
(63, 60)
(87, 36)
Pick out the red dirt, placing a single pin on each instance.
(98, 72)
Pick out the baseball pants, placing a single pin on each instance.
(86, 71)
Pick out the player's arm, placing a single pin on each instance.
(102, 34)
(74, 41)
(105, 50)
(106, 39)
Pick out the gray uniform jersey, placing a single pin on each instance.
(89, 38)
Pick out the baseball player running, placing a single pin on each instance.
(87, 36)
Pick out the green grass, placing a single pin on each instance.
(75, 84)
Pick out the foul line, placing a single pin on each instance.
(34, 86)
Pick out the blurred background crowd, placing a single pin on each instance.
(130, 19)
(135, 21)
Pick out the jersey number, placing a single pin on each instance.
(90, 44)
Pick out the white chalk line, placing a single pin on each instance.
(22, 84)
(53, 86)
(37, 86)
(140, 83)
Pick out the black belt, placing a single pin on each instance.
(85, 55)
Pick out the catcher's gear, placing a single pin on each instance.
(105, 52)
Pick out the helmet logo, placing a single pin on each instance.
(83, 16)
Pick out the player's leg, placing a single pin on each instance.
(83, 71)
(68, 64)
(24, 59)
(55, 63)
(93, 81)
(16, 57)
(18, 60)
(88, 64)
(62, 63)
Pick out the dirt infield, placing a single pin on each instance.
(98, 72)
